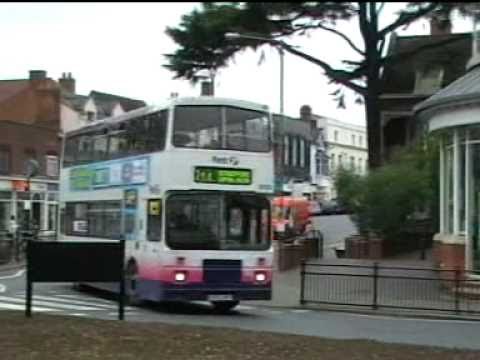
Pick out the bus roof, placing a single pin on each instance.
(202, 100)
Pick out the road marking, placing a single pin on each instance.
(3, 288)
(5, 306)
(300, 311)
(17, 274)
(48, 303)
(74, 302)
(79, 297)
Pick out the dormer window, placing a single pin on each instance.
(429, 79)
(90, 116)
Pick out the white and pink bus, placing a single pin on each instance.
(187, 185)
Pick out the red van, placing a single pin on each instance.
(290, 216)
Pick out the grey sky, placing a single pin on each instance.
(118, 47)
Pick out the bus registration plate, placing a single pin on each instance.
(220, 297)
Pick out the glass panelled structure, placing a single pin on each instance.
(460, 188)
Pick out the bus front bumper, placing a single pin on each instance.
(157, 291)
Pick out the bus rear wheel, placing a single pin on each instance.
(224, 306)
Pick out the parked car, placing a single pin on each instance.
(334, 207)
(314, 208)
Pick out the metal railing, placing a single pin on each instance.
(378, 287)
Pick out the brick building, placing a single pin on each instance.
(34, 114)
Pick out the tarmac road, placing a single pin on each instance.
(62, 299)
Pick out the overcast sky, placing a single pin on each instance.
(118, 48)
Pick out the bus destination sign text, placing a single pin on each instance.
(213, 175)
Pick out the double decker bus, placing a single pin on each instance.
(187, 185)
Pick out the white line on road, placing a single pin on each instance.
(17, 274)
(3, 288)
(48, 303)
(22, 307)
(300, 311)
(74, 302)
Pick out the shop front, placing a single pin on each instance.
(33, 207)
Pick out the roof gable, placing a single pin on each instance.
(126, 103)
(449, 51)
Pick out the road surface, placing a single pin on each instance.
(62, 299)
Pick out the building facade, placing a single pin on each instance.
(453, 114)
(421, 65)
(341, 144)
(34, 115)
(294, 146)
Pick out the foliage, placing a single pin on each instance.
(202, 42)
(385, 200)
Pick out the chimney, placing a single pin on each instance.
(37, 74)
(67, 83)
(440, 25)
(306, 113)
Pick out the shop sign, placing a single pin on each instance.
(19, 185)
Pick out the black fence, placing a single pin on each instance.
(56, 261)
(378, 287)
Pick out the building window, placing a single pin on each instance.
(302, 153)
(359, 165)
(332, 162)
(360, 141)
(294, 151)
(335, 136)
(286, 150)
(340, 160)
(4, 159)
(352, 163)
(51, 162)
(90, 115)
(353, 140)
(30, 154)
(429, 80)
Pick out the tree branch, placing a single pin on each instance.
(343, 36)
(341, 76)
(406, 18)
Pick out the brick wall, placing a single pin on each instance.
(21, 137)
(38, 103)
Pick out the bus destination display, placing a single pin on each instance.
(212, 175)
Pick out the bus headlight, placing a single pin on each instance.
(180, 276)
(260, 277)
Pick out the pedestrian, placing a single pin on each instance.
(13, 227)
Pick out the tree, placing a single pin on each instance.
(201, 37)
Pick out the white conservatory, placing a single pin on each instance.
(454, 114)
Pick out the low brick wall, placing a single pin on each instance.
(290, 255)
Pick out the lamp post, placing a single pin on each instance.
(234, 36)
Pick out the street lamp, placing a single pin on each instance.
(235, 36)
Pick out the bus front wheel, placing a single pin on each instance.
(224, 306)
(131, 284)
